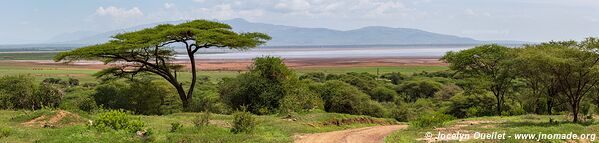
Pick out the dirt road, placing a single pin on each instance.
(374, 134)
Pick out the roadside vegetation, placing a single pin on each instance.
(143, 97)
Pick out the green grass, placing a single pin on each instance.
(374, 70)
(270, 128)
(27, 56)
(525, 124)
(42, 71)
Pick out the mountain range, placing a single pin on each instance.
(299, 36)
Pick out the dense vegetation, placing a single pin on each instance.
(487, 80)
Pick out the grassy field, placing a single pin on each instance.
(85, 74)
(14, 127)
(525, 124)
(27, 56)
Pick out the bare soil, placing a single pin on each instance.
(374, 134)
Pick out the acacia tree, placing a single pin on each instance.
(151, 50)
(575, 65)
(536, 71)
(490, 64)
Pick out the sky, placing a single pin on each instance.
(40, 21)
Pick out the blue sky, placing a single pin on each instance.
(29, 21)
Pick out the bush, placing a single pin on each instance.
(243, 122)
(207, 99)
(341, 97)
(394, 77)
(314, 76)
(435, 119)
(464, 106)
(17, 92)
(383, 94)
(79, 99)
(300, 98)
(201, 120)
(262, 89)
(47, 95)
(176, 126)
(117, 120)
(142, 96)
(5, 132)
(364, 81)
(418, 88)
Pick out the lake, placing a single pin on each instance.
(330, 52)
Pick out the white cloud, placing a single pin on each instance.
(119, 12)
(168, 5)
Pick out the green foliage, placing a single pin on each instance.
(341, 97)
(17, 92)
(144, 96)
(243, 122)
(463, 106)
(383, 94)
(48, 95)
(202, 120)
(5, 132)
(176, 126)
(150, 51)
(314, 76)
(299, 97)
(79, 99)
(207, 99)
(418, 88)
(487, 63)
(267, 86)
(394, 77)
(117, 120)
(435, 119)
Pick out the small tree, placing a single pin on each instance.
(148, 50)
(574, 65)
(488, 63)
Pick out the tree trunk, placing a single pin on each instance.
(575, 111)
(498, 105)
(549, 105)
(182, 96)
(193, 79)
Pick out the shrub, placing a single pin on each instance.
(300, 98)
(5, 132)
(207, 99)
(79, 99)
(243, 122)
(17, 92)
(176, 126)
(261, 89)
(73, 82)
(394, 77)
(341, 97)
(463, 106)
(142, 96)
(435, 119)
(383, 94)
(201, 120)
(314, 76)
(364, 81)
(418, 88)
(117, 120)
(47, 95)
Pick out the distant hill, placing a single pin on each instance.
(299, 36)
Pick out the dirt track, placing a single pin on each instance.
(374, 134)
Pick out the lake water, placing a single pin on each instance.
(331, 52)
